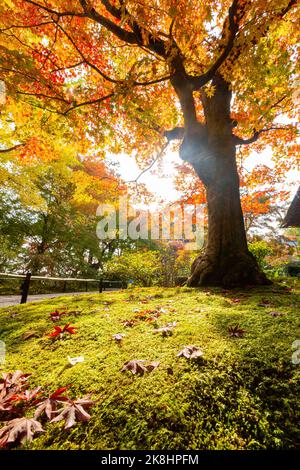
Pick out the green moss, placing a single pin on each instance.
(244, 394)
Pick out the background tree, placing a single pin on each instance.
(220, 74)
(48, 216)
(264, 196)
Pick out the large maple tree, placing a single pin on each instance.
(214, 75)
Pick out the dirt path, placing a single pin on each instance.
(8, 300)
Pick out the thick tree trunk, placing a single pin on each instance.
(211, 150)
(227, 261)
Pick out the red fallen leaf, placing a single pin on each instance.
(49, 405)
(151, 319)
(70, 329)
(236, 331)
(235, 301)
(27, 396)
(58, 331)
(14, 380)
(144, 315)
(19, 430)
(54, 316)
(58, 313)
(6, 401)
(74, 411)
(58, 392)
(141, 315)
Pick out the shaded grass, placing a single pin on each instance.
(244, 394)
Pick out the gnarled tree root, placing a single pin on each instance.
(235, 270)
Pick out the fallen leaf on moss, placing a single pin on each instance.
(56, 315)
(137, 367)
(19, 430)
(58, 331)
(29, 334)
(166, 330)
(74, 411)
(6, 402)
(129, 323)
(118, 336)
(14, 380)
(146, 314)
(48, 406)
(265, 303)
(26, 398)
(190, 352)
(153, 365)
(276, 314)
(236, 331)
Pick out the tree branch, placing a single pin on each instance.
(54, 12)
(93, 66)
(15, 147)
(238, 141)
(42, 95)
(87, 103)
(233, 27)
(135, 37)
(23, 26)
(122, 34)
(158, 156)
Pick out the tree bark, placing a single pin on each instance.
(210, 148)
(227, 261)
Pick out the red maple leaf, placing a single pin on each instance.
(56, 315)
(58, 331)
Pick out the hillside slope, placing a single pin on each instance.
(242, 393)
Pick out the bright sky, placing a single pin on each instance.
(163, 186)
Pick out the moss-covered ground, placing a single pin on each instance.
(242, 394)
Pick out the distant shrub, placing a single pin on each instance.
(260, 250)
(143, 268)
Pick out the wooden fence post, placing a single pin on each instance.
(101, 286)
(25, 288)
